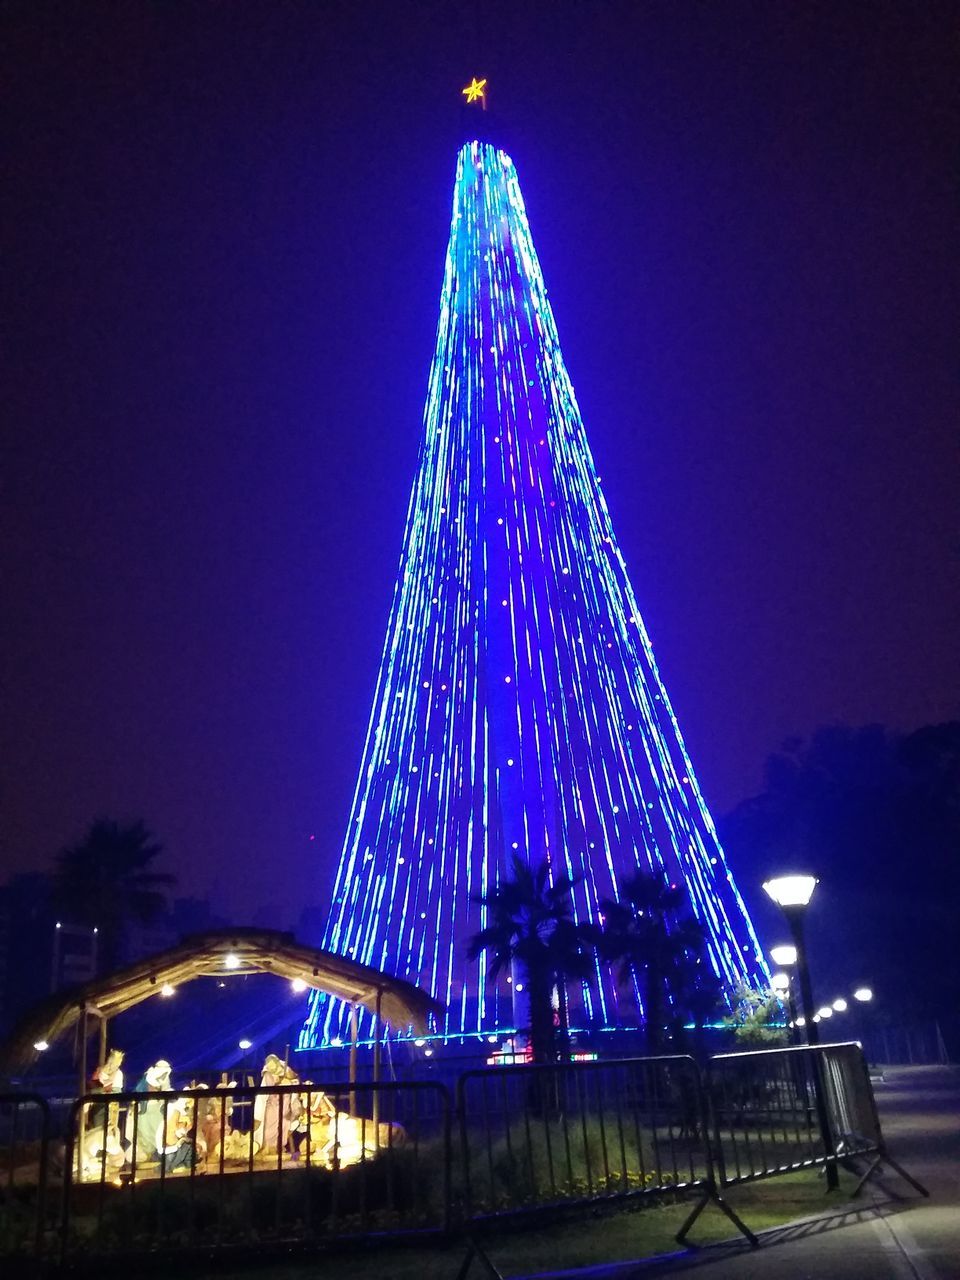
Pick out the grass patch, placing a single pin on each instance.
(609, 1234)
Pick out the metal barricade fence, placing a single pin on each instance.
(853, 1119)
(206, 1170)
(533, 1137)
(764, 1113)
(24, 1151)
(214, 1170)
(777, 1111)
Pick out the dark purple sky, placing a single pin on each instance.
(223, 234)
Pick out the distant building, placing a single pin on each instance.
(28, 945)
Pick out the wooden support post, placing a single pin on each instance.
(376, 1067)
(83, 1035)
(353, 1056)
(82, 1117)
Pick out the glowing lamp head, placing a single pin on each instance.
(244, 1045)
(840, 1004)
(41, 1046)
(863, 994)
(780, 982)
(790, 891)
(297, 985)
(167, 989)
(784, 955)
(825, 1012)
(231, 960)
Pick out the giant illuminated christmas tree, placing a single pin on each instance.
(518, 708)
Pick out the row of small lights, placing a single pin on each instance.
(780, 983)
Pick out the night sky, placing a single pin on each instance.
(223, 231)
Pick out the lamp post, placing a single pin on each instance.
(865, 1025)
(782, 987)
(792, 895)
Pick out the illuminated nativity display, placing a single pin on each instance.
(160, 1127)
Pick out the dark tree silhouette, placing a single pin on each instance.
(530, 925)
(107, 881)
(650, 933)
(697, 995)
(876, 815)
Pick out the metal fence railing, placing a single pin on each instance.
(240, 1169)
(764, 1112)
(210, 1170)
(24, 1175)
(535, 1137)
(778, 1111)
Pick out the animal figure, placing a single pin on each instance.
(335, 1139)
(101, 1150)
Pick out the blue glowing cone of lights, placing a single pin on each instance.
(518, 708)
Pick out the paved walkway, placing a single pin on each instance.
(891, 1234)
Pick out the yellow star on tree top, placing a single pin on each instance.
(474, 90)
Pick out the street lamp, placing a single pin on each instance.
(785, 955)
(791, 891)
(840, 1005)
(792, 895)
(782, 988)
(863, 994)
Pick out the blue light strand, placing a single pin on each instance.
(518, 707)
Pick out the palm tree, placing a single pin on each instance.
(697, 996)
(645, 932)
(531, 925)
(106, 882)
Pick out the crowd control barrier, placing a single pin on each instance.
(208, 1171)
(776, 1111)
(218, 1170)
(541, 1136)
(24, 1149)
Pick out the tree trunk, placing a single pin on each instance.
(541, 1018)
(564, 1037)
(653, 1014)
